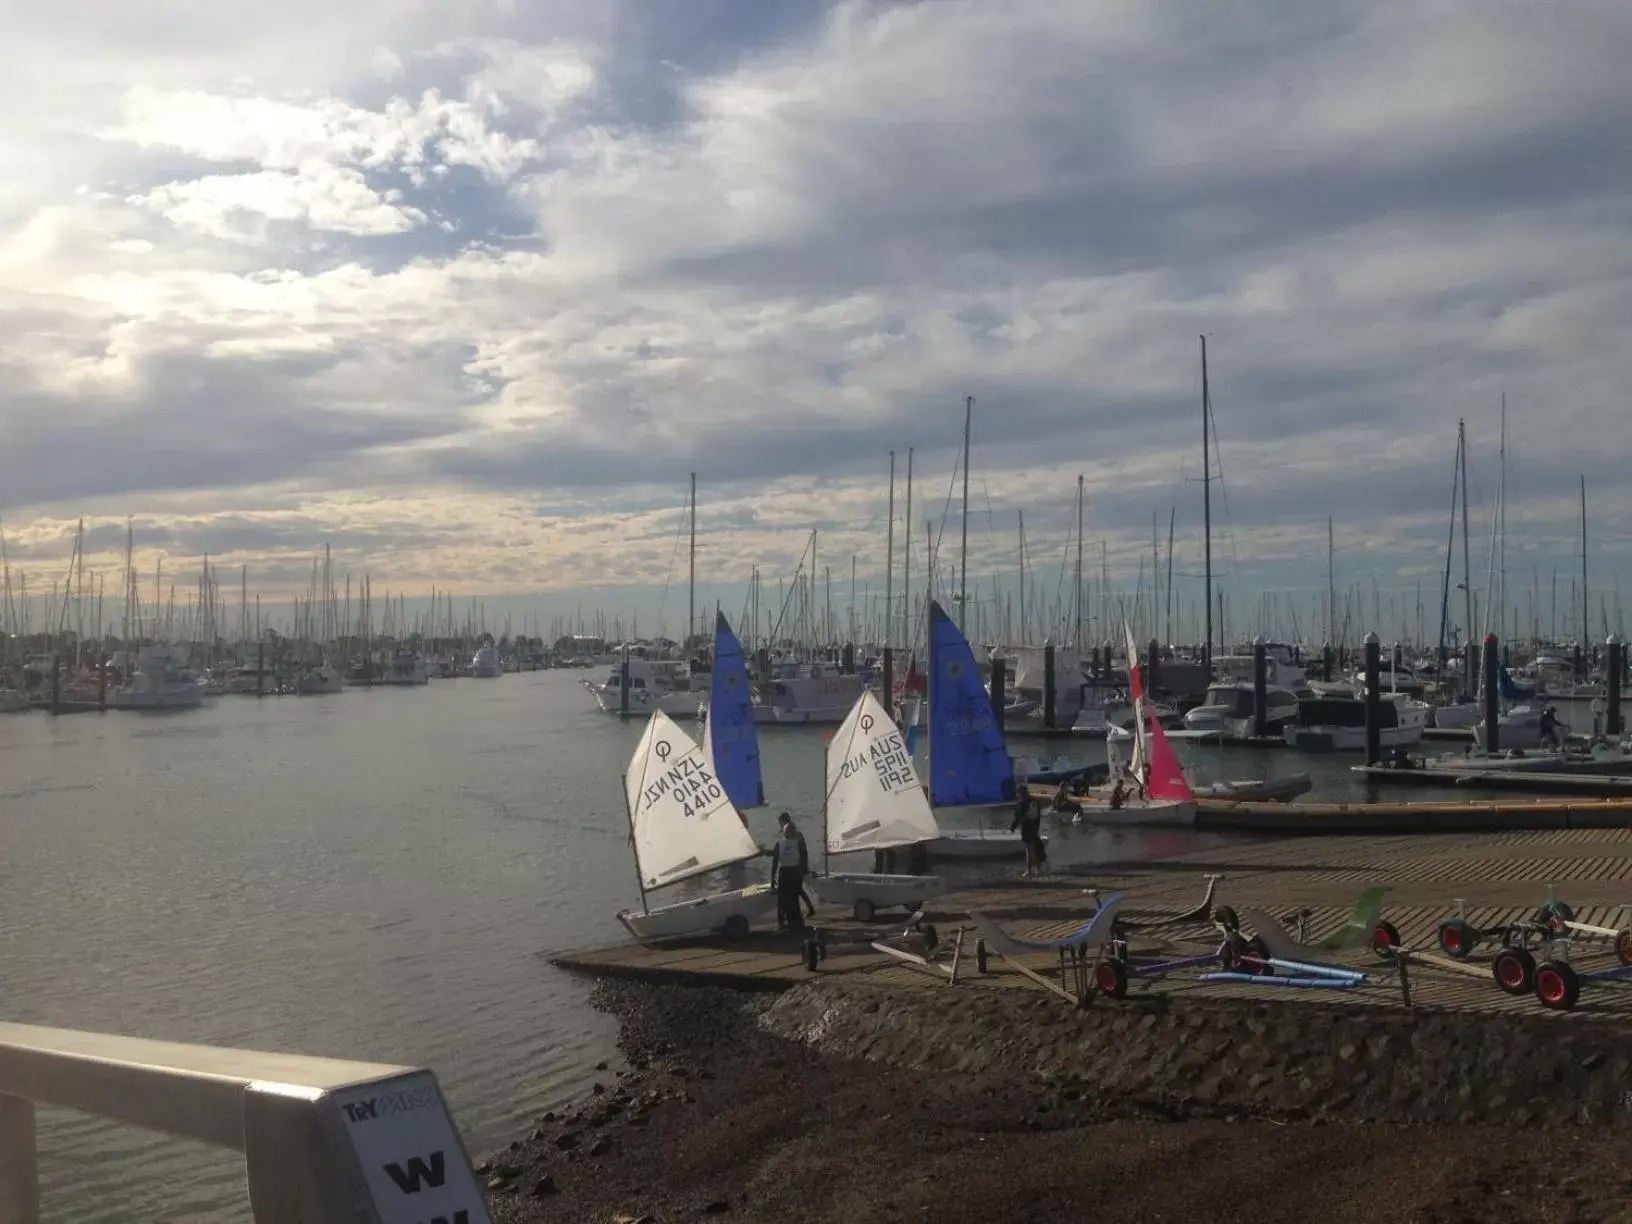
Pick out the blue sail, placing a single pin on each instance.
(968, 763)
(1510, 689)
(731, 735)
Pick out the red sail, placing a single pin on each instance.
(1166, 778)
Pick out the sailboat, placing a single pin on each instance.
(1167, 798)
(682, 824)
(485, 664)
(730, 742)
(873, 802)
(968, 763)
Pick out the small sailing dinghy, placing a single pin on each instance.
(873, 802)
(1167, 797)
(683, 825)
(969, 766)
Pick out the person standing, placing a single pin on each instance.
(790, 859)
(1028, 820)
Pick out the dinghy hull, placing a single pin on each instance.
(730, 914)
(863, 893)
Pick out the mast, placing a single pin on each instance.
(1021, 515)
(963, 547)
(889, 565)
(1585, 631)
(1172, 515)
(906, 565)
(1206, 506)
(1331, 586)
(1467, 570)
(1501, 531)
(691, 578)
(1450, 551)
(1076, 599)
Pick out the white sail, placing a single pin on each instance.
(683, 822)
(874, 799)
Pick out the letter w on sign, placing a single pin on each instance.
(408, 1180)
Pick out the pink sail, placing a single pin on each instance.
(1164, 778)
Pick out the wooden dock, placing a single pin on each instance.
(1465, 816)
(1492, 878)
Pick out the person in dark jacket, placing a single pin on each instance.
(790, 860)
(1029, 820)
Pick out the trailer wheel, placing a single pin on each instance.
(1556, 912)
(1384, 935)
(932, 939)
(863, 910)
(1226, 917)
(813, 954)
(1258, 957)
(1514, 970)
(1557, 985)
(1111, 979)
(1623, 947)
(1457, 937)
(980, 955)
(1231, 952)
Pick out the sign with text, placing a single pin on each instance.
(412, 1160)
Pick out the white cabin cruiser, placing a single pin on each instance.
(406, 667)
(161, 680)
(1339, 723)
(485, 664)
(655, 686)
(808, 693)
(683, 825)
(874, 802)
(1227, 710)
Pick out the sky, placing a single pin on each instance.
(467, 292)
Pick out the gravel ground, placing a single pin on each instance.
(713, 1119)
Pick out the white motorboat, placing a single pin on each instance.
(324, 678)
(1456, 715)
(811, 693)
(1339, 723)
(485, 664)
(406, 667)
(1520, 727)
(1227, 710)
(683, 825)
(251, 680)
(655, 686)
(873, 802)
(161, 680)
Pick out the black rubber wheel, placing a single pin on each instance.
(1384, 936)
(736, 928)
(1231, 952)
(932, 939)
(1514, 971)
(1227, 918)
(1457, 937)
(1561, 911)
(813, 954)
(863, 910)
(1111, 978)
(1557, 985)
(980, 955)
(1258, 957)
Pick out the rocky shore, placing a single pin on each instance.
(833, 1102)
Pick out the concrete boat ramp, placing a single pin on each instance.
(1493, 878)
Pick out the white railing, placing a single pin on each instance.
(324, 1141)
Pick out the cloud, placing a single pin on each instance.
(517, 273)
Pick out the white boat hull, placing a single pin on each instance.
(864, 892)
(701, 915)
(13, 701)
(1349, 739)
(977, 844)
(1167, 813)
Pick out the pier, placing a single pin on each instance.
(1492, 878)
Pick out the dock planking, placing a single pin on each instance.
(1492, 878)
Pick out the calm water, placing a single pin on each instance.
(374, 874)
